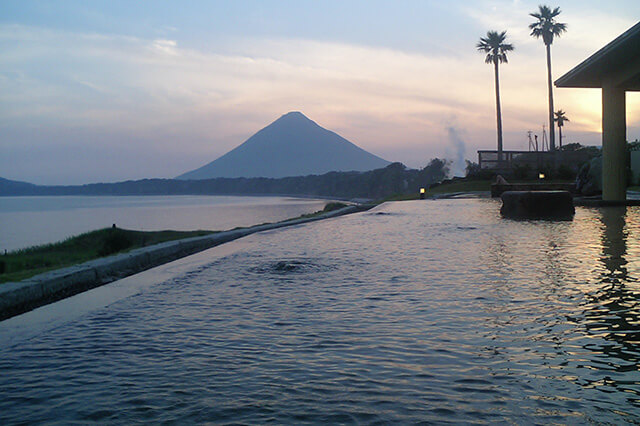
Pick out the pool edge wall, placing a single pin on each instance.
(19, 297)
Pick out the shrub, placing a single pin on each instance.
(333, 206)
(472, 168)
(565, 172)
(115, 241)
(521, 171)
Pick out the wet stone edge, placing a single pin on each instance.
(23, 296)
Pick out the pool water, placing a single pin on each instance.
(426, 311)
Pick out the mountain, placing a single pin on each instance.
(292, 145)
(14, 187)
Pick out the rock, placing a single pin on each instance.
(501, 181)
(589, 178)
(550, 205)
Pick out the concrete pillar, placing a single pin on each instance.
(614, 139)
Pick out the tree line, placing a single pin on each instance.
(394, 179)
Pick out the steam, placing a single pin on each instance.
(456, 149)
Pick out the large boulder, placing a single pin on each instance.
(589, 178)
(549, 205)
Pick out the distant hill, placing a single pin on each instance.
(292, 145)
(373, 184)
(14, 187)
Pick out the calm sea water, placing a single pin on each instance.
(432, 311)
(27, 221)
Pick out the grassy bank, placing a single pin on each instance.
(21, 264)
(460, 186)
(447, 188)
(329, 207)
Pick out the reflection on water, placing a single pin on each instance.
(611, 313)
(431, 311)
(614, 242)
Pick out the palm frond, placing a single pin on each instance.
(495, 47)
(546, 25)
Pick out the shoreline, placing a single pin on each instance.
(256, 195)
(34, 221)
(23, 296)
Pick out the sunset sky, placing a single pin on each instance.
(115, 90)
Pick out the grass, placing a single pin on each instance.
(329, 207)
(446, 188)
(460, 186)
(21, 264)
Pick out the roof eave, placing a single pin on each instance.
(580, 75)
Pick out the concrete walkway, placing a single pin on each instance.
(23, 296)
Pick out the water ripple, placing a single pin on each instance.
(431, 312)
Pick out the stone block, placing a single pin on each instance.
(548, 205)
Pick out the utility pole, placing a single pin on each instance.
(532, 146)
(545, 142)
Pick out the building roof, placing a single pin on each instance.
(618, 61)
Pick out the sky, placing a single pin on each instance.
(106, 91)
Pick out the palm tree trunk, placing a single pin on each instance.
(560, 134)
(552, 130)
(498, 114)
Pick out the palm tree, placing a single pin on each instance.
(547, 28)
(560, 119)
(496, 49)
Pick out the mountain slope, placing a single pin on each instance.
(293, 145)
(14, 187)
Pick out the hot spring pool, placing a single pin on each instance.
(434, 311)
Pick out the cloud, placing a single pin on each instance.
(166, 46)
(162, 78)
(158, 95)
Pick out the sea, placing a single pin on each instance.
(29, 221)
(429, 312)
